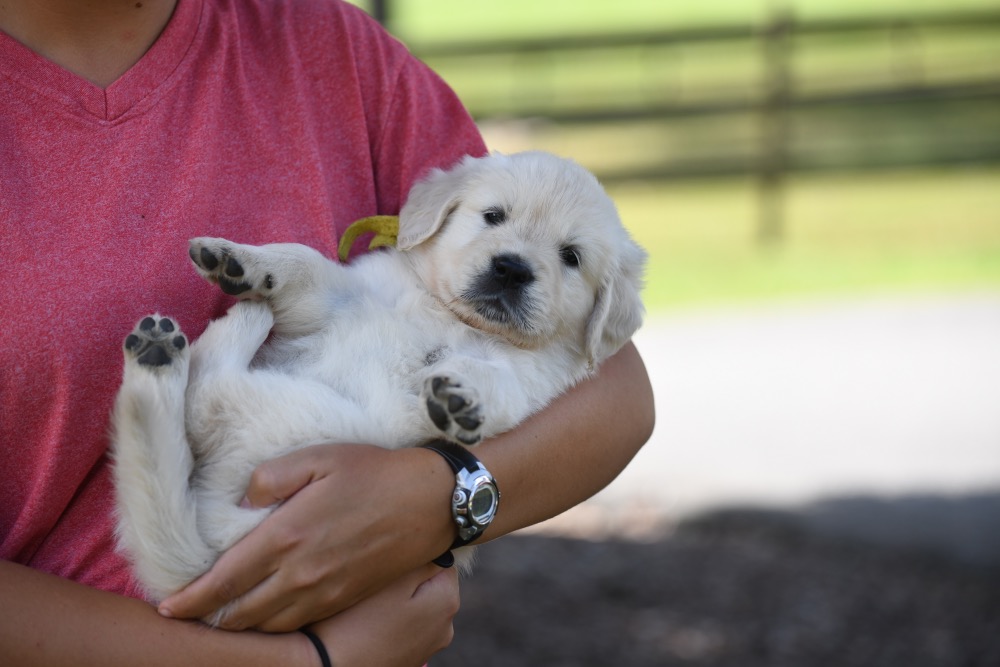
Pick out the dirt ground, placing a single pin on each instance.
(739, 589)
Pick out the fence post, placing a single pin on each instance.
(773, 160)
(380, 11)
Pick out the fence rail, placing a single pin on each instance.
(775, 101)
(691, 35)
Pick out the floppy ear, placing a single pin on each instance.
(430, 202)
(618, 309)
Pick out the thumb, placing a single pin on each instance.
(279, 479)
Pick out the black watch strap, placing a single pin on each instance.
(459, 458)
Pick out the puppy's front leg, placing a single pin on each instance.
(468, 399)
(295, 280)
(453, 406)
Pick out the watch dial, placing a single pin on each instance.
(483, 504)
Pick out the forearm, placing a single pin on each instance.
(564, 454)
(46, 620)
(572, 449)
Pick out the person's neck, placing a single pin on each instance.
(98, 40)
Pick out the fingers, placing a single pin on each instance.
(400, 626)
(252, 561)
(254, 580)
(437, 590)
(441, 585)
(285, 604)
(281, 478)
(237, 571)
(339, 538)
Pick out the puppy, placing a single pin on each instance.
(512, 279)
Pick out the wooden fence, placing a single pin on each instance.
(777, 99)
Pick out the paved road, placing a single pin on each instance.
(893, 400)
(782, 405)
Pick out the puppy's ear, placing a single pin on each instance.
(430, 202)
(618, 309)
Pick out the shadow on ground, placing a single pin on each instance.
(849, 582)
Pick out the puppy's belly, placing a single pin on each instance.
(238, 421)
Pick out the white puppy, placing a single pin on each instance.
(513, 278)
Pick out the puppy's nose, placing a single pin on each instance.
(511, 271)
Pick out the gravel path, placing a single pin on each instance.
(740, 590)
(887, 408)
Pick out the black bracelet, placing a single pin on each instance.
(324, 657)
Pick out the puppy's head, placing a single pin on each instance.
(528, 247)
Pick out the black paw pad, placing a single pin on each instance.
(454, 410)
(456, 403)
(155, 342)
(437, 414)
(469, 423)
(233, 268)
(207, 260)
(154, 356)
(232, 288)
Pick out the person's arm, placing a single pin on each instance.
(355, 516)
(47, 620)
(574, 448)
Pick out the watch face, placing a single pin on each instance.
(484, 503)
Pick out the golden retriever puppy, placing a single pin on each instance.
(512, 279)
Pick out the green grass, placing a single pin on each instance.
(916, 231)
(444, 20)
(846, 234)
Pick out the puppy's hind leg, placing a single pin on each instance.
(293, 279)
(230, 343)
(157, 524)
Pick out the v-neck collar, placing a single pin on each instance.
(129, 92)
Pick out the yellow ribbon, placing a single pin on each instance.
(385, 228)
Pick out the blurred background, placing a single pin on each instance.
(818, 185)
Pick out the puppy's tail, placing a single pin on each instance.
(157, 517)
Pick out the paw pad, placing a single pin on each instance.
(454, 409)
(219, 261)
(155, 342)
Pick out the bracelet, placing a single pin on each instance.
(324, 657)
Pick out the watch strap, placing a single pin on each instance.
(458, 458)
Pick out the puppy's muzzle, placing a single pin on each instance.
(499, 292)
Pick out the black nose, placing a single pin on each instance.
(511, 271)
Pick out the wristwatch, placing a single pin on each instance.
(475, 500)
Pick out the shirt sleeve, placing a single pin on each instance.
(426, 127)
(415, 121)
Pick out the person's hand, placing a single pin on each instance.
(402, 625)
(354, 519)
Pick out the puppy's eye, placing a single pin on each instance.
(570, 256)
(494, 216)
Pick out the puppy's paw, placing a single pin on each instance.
(454, 409)
(231, 266)
(156, 342)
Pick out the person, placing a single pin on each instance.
(129, 126)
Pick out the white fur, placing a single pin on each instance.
(355, 350)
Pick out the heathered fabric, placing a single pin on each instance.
(260, 121)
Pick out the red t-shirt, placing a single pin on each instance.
(260, 121)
